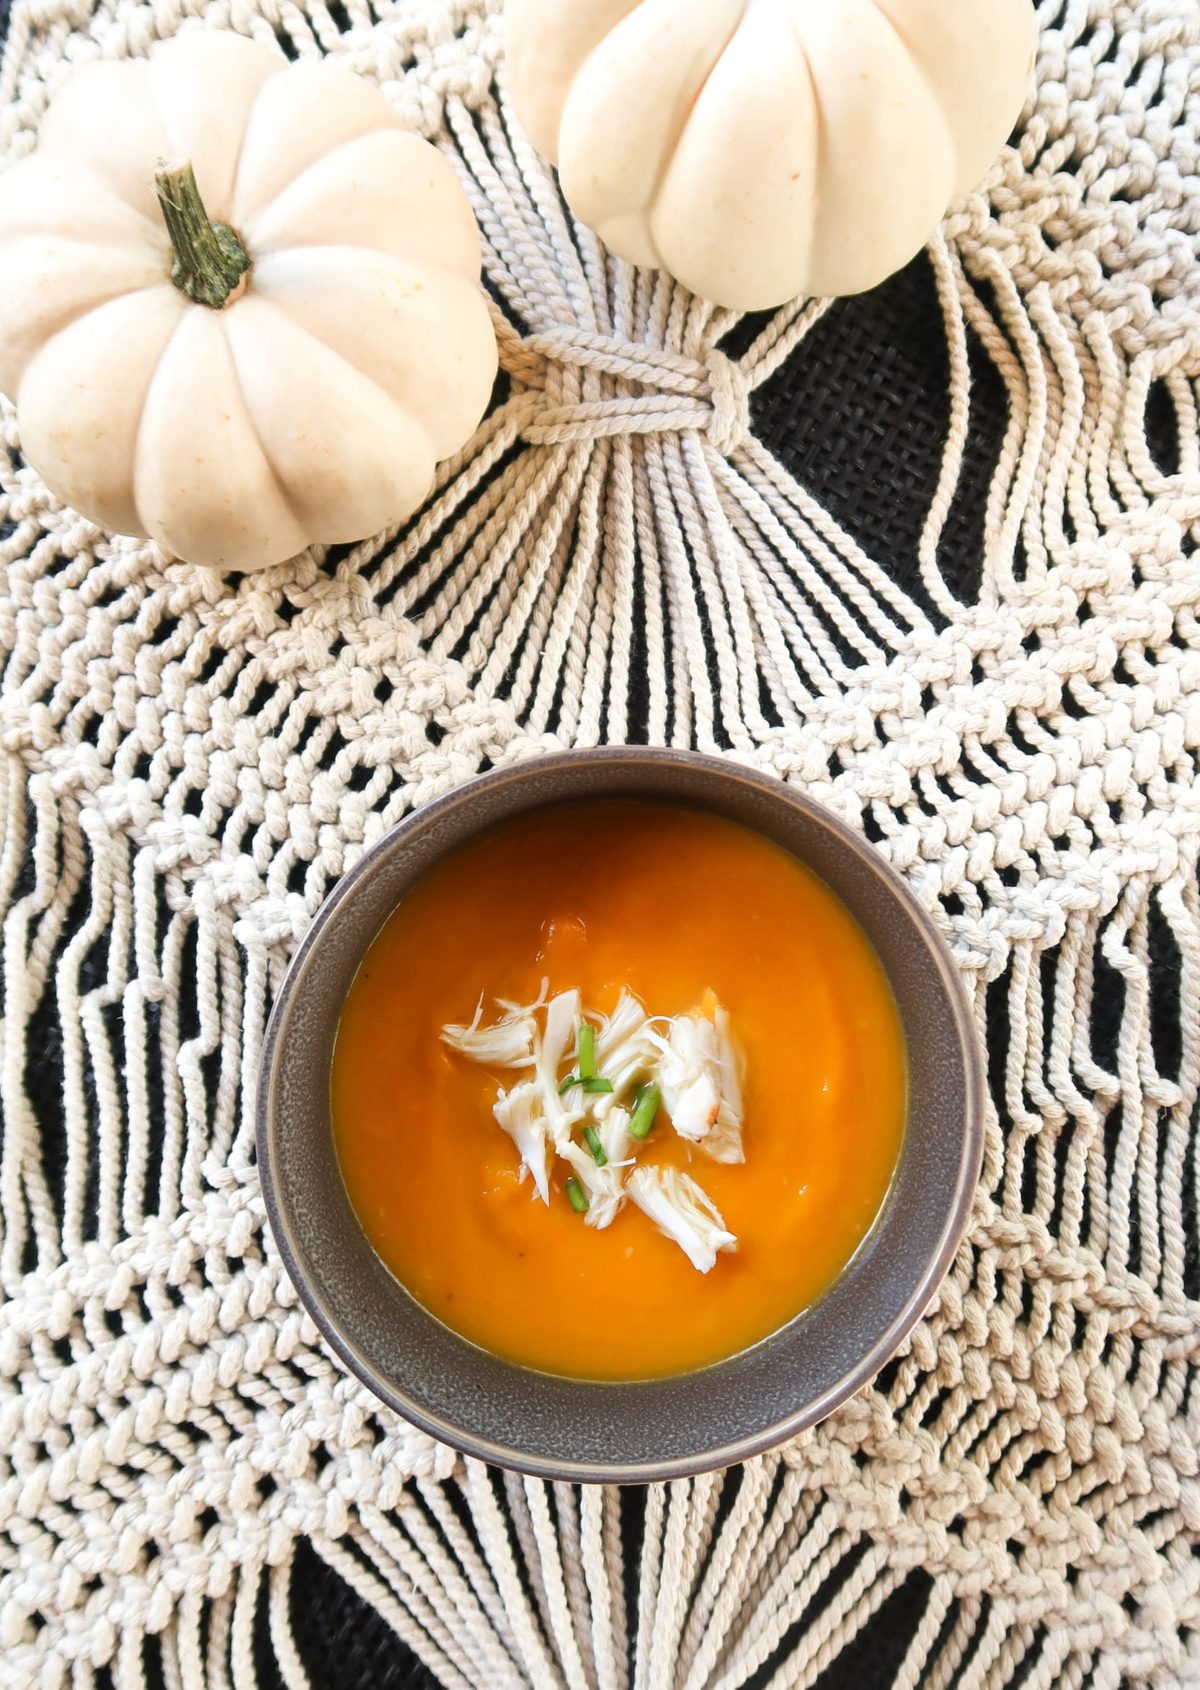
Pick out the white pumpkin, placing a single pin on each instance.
(313, 404)
(760, 149)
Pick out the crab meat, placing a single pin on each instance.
(700, 1086)
(625, 1052)
(683, 1212)
(604, 1187)
(507, 1043)
(731, 1084)
(562, 1021)
(694, 1063)
(613, 1129)
(519, 1112)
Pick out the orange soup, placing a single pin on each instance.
(677, 907)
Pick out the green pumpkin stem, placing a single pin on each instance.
(210, 260)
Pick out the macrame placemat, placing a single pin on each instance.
(1006, 700)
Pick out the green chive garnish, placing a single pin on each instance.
(597, 1086)
(586, 1046)
(571, 1080)
(592, 1139)
(648, 1100)
(576, 1196)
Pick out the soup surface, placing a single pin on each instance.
(669, 903)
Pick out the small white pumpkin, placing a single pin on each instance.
(760, 149)
(341, 344)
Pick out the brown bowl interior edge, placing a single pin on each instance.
(658, 1429)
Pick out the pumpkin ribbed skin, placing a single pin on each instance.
(760, 149)
(315, 404)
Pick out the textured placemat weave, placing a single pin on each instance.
(932, 556)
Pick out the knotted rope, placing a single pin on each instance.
(627, 389)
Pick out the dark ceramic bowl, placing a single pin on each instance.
(659, 1429)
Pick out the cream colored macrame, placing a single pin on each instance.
(188, 763)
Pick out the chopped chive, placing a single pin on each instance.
(576, 1196)
(596, 1085)
(592, 1139)
(586, 1045)
(648, 1100)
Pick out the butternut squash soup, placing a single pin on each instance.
(619, 1089)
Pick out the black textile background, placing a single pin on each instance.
(858, 415)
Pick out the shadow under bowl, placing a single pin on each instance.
(656, 1429)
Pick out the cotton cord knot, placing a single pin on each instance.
(585, 387)
(729, 392)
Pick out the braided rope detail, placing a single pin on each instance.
(710, 397)
(187, 764)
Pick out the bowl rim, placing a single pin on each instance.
(734, 1450)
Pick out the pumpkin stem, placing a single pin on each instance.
(210, 260)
